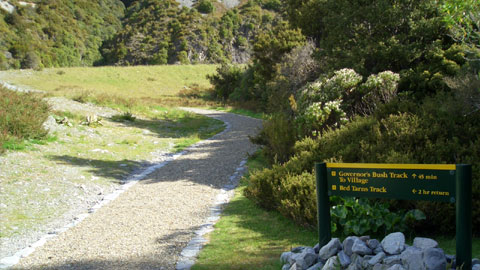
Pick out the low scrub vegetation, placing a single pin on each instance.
(363, 89)
(21, 117)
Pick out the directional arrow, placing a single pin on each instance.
(414, 191)
(414, 176)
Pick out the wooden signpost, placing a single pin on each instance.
(442, 182)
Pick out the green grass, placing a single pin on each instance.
(139, 81)
(449, 245)
(247, 237)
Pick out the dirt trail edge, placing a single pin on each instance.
(148, 226)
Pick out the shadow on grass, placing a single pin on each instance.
(210, 163)
(116, 171)
(187, 126)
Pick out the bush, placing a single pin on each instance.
(278, 137)
(320, 104)
(21, 116)
(226, 80)
(434, 132)
(205, 7)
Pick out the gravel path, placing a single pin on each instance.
(147, 226)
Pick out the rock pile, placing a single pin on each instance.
(359, 253)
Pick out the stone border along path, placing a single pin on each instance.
(162, 214)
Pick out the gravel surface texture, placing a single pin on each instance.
(147, 226)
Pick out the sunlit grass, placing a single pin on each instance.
(125, 82)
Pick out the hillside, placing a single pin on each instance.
(56, 32)
(60, 33)
(163, 32)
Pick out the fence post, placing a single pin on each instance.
(464, 216)
(323, 205)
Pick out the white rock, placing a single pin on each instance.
(424, 243)
(330, 249)
(394, 243)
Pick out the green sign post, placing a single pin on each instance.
(442, 182)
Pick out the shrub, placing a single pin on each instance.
(435, 131)
(352, 216)
(225, 80)
(295, 69)
(278, 136)
(21, 116)
(378, 89)
(205, 7)
(320, 104)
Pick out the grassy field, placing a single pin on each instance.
(116, 85)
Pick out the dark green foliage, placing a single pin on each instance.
(205, 6)
(352, 216)
(270, 46)
(268, 49)
(21, 116)
(57, 33)
(438, 131)
(226, 80)
(161, 32)
(278, 138)
(407, 37)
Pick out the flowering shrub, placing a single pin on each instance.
(320, 103)
(379, 89)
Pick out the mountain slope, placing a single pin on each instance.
(56, 32)
(163, 32)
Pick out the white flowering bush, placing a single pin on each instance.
(379, 89)
(319, 104)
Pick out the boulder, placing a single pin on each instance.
(298, 249)
(286, 256)
(359, 247)
(378, 249)
(424, 243)
(373, 243)
(344, 259)
(317, 266)
(434, 259)
(354, 266)
(348, 243)
(396, 267)
(330, 249)
(394, 243)
(392, 260)
(331, 264)
(377, 259)
(412, 258)
(305, 259)
(380, 267)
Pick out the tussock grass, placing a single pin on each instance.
(21, 117)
